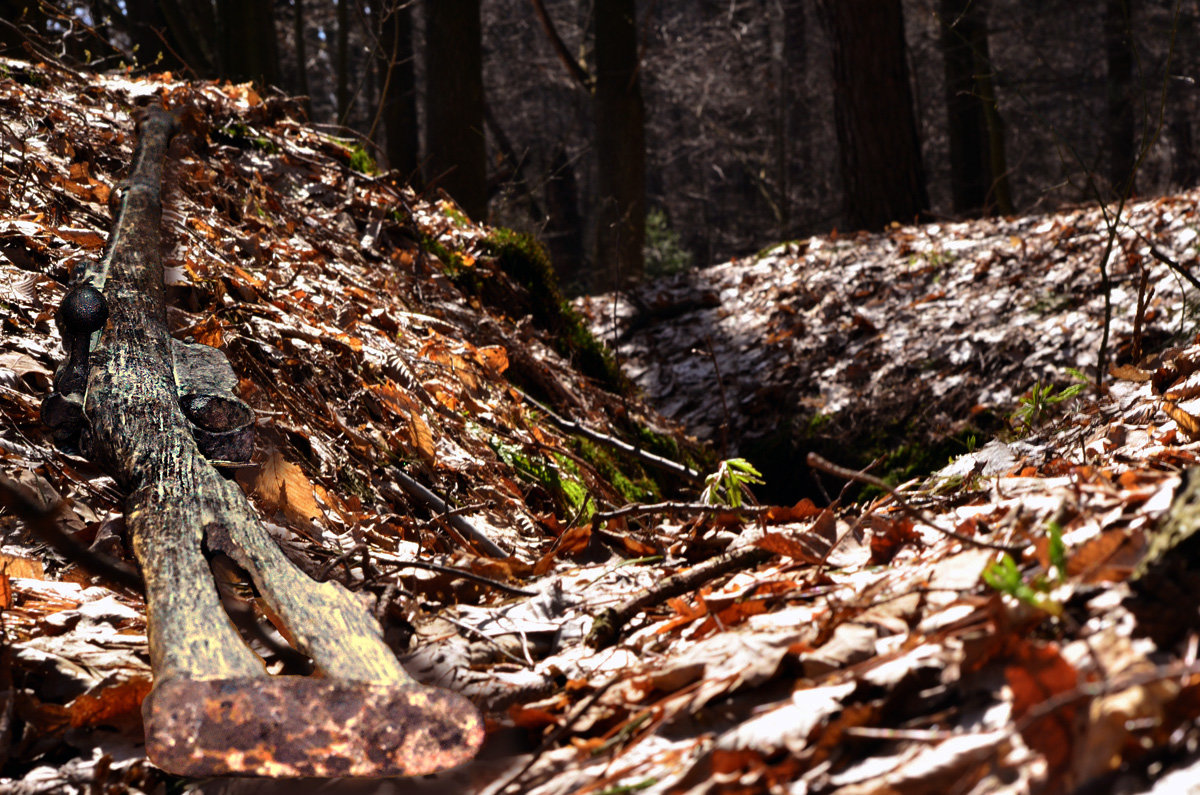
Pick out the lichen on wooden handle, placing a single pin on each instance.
(178, 506)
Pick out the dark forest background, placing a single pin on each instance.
(641, 137)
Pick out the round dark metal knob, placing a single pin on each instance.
(83, 310)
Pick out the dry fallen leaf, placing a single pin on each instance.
(284, 486)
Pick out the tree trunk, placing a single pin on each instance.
(878, 146)
(342, 63)
(299, 34)
(399, 89)
(978, 182)
(793, 132)
(620, 144)
(1181, 102)
(248, 45)
(564, 222)
(456, 157)
(1118, 50)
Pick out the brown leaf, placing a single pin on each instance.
(14, 566)
(118, 704)
(1188, 423)
(284, 486)
(889, 535)
(1036, 673)
(1127, 372)
(796, 546)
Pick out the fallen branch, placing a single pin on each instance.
(571, 426)
(149, 410)
(460, 523)
(817, 462)
(608, 625)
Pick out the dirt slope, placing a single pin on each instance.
(981, 632)
(901, 345)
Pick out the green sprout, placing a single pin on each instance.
(1042, 399)
(1005, 576)
(730, 484)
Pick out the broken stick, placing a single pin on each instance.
(149, 409)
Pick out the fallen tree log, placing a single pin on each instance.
(150, 409)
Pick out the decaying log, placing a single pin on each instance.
(153, 407)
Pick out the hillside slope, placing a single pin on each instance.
(980, 631)
(902, 345)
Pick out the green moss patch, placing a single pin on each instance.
(523, 258)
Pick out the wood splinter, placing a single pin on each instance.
(214, 709)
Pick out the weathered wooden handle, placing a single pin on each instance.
(214, 709)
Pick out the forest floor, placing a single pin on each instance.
(978, 629)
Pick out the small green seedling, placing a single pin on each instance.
(730, 484)
(1005, 576)
(1039, 403)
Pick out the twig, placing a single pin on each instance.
(712, 357)
(456, 572)
(1165, 260)
(640, 509)
(817, 462)
(608, 625)
(571, 426)
(460, 524)
(573, 67)
(40, 520)
(486, 638)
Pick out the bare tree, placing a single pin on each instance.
(879, 151)
(978, 169)
(620, 142)
(454, 116)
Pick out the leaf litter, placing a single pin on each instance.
(858, 650)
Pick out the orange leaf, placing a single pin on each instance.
(575, 539)
(531, 717)
(284, 486)
(493, 358)
(81, 237)
(1188, 423)
(778, 514)
(421, 437)
(1036, 673)
(209, 332)
(119, 703)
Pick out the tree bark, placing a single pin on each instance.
(399, 89)
(299, 35)
(978, 178)
(878, 146)
(620, 144)
(456, 158)
(248, 47)
(1118, 51)
(342, 63)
